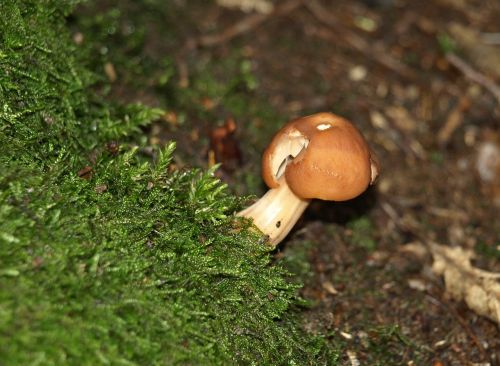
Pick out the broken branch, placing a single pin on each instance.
(474, 75)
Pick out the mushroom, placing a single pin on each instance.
(319, 156)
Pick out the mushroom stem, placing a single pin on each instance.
(276, 212)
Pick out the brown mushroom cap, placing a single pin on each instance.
(322, 156)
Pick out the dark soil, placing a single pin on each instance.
(369, 291)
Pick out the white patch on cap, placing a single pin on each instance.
(323, 126)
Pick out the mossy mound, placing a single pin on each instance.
(106, 255)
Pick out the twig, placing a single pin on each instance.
(393, 215)
(359, 44)
(252, 21)
(474, 75)
(450, 308)
(183, 70)
(453, 121)
(246, 24)
(491, 38)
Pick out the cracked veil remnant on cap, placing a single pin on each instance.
(321, 156)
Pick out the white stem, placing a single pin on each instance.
(276, 212)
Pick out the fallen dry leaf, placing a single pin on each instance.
(478, 288)
(224, 147)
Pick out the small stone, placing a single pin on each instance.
(417, 284)
(346, 335)
(378, 120)
(358, 73)
(440, 343)
(78, 38)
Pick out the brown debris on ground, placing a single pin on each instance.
(421, 81)
(426, 113)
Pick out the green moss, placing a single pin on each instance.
(387, 345)
(362, 233)
(296, 260)
(140, 45)
(446, 43)
(437, 158)
(488, 251)
(108, 257)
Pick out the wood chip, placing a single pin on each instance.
(328, 287)
(353, 359)
(417, 284)
(453, 121)
(401, 118)
(346, 335)
(109, 70)
(247, 6)
(378, 120)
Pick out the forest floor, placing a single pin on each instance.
(418, 80)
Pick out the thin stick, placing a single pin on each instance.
(246, 24)
(394, 215)
(453, 121)
(474, 75)
(450, 308)
(356, 42)
(243, 26)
